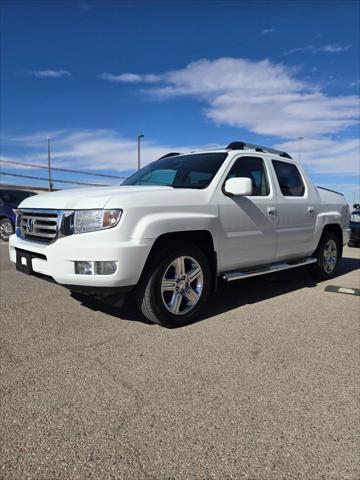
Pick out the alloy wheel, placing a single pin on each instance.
(330, 255)
(6, 230)
(182, 285)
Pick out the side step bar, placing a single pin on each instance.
(275, 267)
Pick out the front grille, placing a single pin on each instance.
(40, 226)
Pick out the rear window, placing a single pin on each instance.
(289, 178)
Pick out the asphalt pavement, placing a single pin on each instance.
(264, 387)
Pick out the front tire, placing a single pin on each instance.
(328, 255)
(6, 229)
(176, 285)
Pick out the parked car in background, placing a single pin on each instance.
(355, 227)
(9, 201)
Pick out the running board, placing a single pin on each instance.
(275, 267)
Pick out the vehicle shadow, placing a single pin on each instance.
(253, 290)
(230, 296)
(128, 311)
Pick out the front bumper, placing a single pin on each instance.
(57, 259)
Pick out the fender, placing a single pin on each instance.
(153, 225)
(323, 219)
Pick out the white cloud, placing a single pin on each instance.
(130, 77)
(87, 150)
(30, 140)
(323, 49)
(260, 96)
(334, 48)
(124, 77)
(4, 159)
(269, 99)
(107, 150)
(266, 31)
(50, 73)
(300, 49)
(325, 155)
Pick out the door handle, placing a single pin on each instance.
(310, 209)
(272, 211)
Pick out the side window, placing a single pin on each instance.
(289, 178)
(253, 168)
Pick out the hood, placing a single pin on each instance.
(106, 197)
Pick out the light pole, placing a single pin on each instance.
(300, 144)
(49, 166)
(138, 149)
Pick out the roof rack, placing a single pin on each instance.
(257, 148)
(171, 154)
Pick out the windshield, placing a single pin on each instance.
(180, 171)
(14, 196)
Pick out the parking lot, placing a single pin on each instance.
(265, 386)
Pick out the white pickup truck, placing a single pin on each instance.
(177, 225)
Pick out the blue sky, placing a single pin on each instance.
(92, 75)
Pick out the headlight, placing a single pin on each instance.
(355, 217)
(93, 220)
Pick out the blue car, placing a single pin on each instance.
(9, 200)
(355, 227)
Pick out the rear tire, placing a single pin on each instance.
(175, 286)
(327, 254)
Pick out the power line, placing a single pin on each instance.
(55, 181)
(32, 165)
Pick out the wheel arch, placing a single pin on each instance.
(201, 238)
(336, 229)
(3, 216)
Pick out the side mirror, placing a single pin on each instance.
(239, 186)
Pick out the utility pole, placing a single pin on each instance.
(49, 166)
(300, 144)
(138, 149)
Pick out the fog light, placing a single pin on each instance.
(105, 268)
(84, 268)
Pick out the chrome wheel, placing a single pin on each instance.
(6, 230)
(330, 256)
(182, 285)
